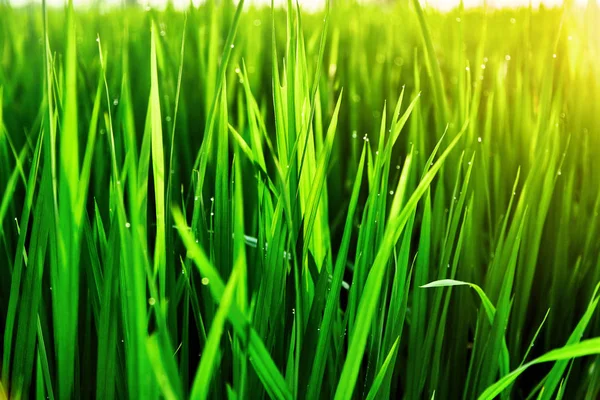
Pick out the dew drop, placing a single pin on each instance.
(205, 281)
(151, 301)
(127, 225)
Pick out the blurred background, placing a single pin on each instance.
(444, 5)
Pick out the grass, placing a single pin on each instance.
(240, 202)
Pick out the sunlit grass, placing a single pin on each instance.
(368, 201)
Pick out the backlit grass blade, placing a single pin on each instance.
(211, 357)
(158, 169)
(568, 352)
(382, 372)
(66, 279)
(263, 364)
(369, 299)
(321, 349)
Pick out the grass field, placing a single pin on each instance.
(370, 201)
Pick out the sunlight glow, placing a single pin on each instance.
(443, 5)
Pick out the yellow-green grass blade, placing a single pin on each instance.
(383, 371)
(158, 169)
(322, 346)
(263, 364)
(566, 353)
(368, 301)
(211, 354)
